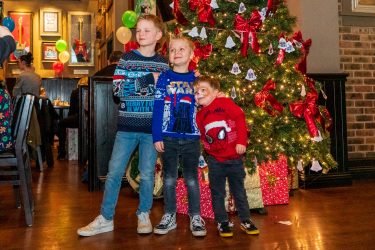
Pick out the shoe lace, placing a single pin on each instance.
(165, 219)
(197, 221)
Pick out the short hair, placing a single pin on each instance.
(115, 56)
(28, 59)
(183, 38)
(152, 18)
(213, 82)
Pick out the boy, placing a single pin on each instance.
(175, 134)
(224, 135)
(133, 83)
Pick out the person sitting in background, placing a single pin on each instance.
(7, 43)
(109, 70)
(28, 82)
(71, 121)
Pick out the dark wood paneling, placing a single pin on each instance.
(83, 131)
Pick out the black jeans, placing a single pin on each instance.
(218, 172)
(189, 150)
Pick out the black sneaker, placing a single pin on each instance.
(197, 226)
(248, 227)
(225, 229)
(167, 223)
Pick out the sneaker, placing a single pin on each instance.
(197, 226)
(144, 224)
(98, 226)
(225, 229)
(167, 223)
(248, 227)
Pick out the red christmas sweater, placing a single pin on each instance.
(222, 126)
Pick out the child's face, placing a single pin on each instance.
(147, 33)
(204, 93)
(180, 53)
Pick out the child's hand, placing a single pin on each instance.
(240, 149)
(156, 76)
(159, 146)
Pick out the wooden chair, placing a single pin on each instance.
(15, 166)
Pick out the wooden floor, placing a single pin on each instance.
(332, 218)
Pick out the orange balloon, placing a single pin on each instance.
(123, 35)
(64, 56)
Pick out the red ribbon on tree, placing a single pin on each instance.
(178, 14)
(272, 6)
(248, 27)
(200, 52)
(301, 66)
(264, 99)
(307, 109)
(205, 14)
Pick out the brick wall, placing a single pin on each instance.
(357, 58)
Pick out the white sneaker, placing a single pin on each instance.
(197, 226)
(144, 224)
(98, 226)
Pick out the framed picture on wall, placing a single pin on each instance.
(50, 22)
(145, 7)
(81, 37)
(49, 52)
(22, 33)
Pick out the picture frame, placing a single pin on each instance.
(358, 13)
(50, 22)
(49, 52)
(81, 38)
(22, 33)
(145, 7)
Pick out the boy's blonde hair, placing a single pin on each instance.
(152, 18)
(183, 38)
(213, 82)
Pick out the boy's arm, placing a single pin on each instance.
(200, 125)
(157, 115)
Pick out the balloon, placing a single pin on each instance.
(58, 67)
(132, 45)
(129, 19)
(123, 34)
(9, 23)
(61, 45)
(64, 56)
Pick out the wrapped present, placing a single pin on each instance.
(293, 179)
(274, 181)
(205, 198)
(72, 143)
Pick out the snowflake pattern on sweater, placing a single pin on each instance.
(133, 83)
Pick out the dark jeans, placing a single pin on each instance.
(218, 172)
(189, 150)
(68, 122)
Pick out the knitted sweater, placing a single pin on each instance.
(222, 125)
(175, 109)
(134, 84)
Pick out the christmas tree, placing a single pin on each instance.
(251, 48)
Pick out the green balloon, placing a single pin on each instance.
(61, 45)
(129, 19)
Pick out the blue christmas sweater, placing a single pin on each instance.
(174, 108)
(134, 84)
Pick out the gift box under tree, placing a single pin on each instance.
(274, 181)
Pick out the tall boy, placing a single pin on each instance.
(176, 134)
(224, 135)
(133, 83)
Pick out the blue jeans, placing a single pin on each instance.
(218, 173)
(189, 150)
(124, 146)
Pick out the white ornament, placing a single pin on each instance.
(317, 138)
(193, 32)
(315, 166)
(299, 165)
(263, 13)
(233, 93)
(324, 94)
(214, 4)
(242, 8)
(298, 44)
(289, 47)
(203, 33)
(202, 163)
(230, 43)
(251, 38)
(282, 43)
(172, 5)
(303, 91)
(235, 69)
(250, 75)
(270, 49)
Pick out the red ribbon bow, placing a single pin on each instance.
(308, 109)
(178, 14)
(200, 52)
(205, 14)
(262, 97)
(301, 66)
(272, 6)
(247, 27)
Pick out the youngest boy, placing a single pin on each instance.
(224, 135)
